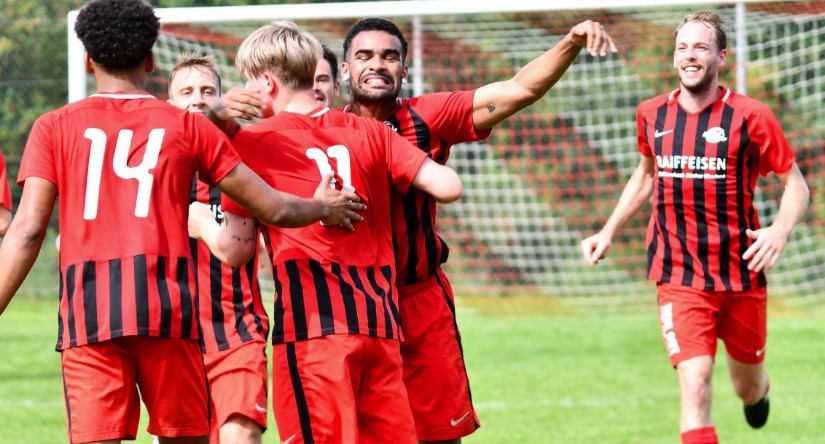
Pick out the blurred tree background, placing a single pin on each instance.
(33, 59)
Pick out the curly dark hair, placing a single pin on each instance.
(118, 34)
(375, 24)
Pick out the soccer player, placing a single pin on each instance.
(702, 148)
(123, 162)
(5, 198)
(326, 85)
(234, 324)
(336, 373)
(375, 52)
(245, 104)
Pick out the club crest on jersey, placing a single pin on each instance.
(715, 135)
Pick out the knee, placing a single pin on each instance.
(750, 390)
(240, 430)
(696, 387)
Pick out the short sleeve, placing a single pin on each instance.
(38, 156)
(5, 191)
(641, 134)
(215, 155)
(775, 154)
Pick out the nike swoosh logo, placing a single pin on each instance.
(759, 352)
(657, 134)
(288, 440)
(455, 422)
(259, 408)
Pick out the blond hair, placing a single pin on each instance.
(285, 50)
(206, 62)
(710, 19)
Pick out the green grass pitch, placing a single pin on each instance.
(539, 373)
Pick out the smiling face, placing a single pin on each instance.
(194, 89)
(697, 57)
(374, 67)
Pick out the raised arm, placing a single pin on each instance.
(770, 241)
(636, 193)
(24, 237)
(497, 101)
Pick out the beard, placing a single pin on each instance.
(360, 93)
(703, 84)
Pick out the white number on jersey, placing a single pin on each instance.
(121, 168)
(339, 153)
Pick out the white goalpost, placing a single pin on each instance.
(551, 174)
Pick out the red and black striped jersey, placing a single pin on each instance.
(5, 190)
(123, 166)
(434, 123)
(230, 309)
(327, 280)
(707, 165)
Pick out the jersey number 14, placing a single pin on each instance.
(121, 167)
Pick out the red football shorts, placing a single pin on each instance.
(237, 384)
(340, 389)
(692, 320)
(101, 382)
(433, 359)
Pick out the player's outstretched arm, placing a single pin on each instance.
(769, 242)
(24, 237)
(5, 220)
(233, 242)
(497, 101)
(439, 181)
(238, 103)
(638, 190)
(276, 208)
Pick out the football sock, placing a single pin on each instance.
(704, 435)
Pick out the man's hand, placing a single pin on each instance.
(766, 248)
(242, 103)
(592, 35)
(595, 247)
(342, 205)
(201, 220)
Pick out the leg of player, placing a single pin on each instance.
(751, 384)
(241, 430)
(695, 384)
(184, 440)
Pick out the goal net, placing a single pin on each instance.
(551, 174)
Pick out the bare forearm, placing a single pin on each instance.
(538, 76)
(794, 201)
(636, 193)
(17, 255)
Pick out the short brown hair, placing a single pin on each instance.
(710, 19)
(195, 60)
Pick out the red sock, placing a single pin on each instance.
(704, 435)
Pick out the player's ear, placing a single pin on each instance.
(149, 64)
(90, 66)
(723, 57)
(344, 71)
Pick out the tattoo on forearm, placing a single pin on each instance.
(244, 240)
(491, 107)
